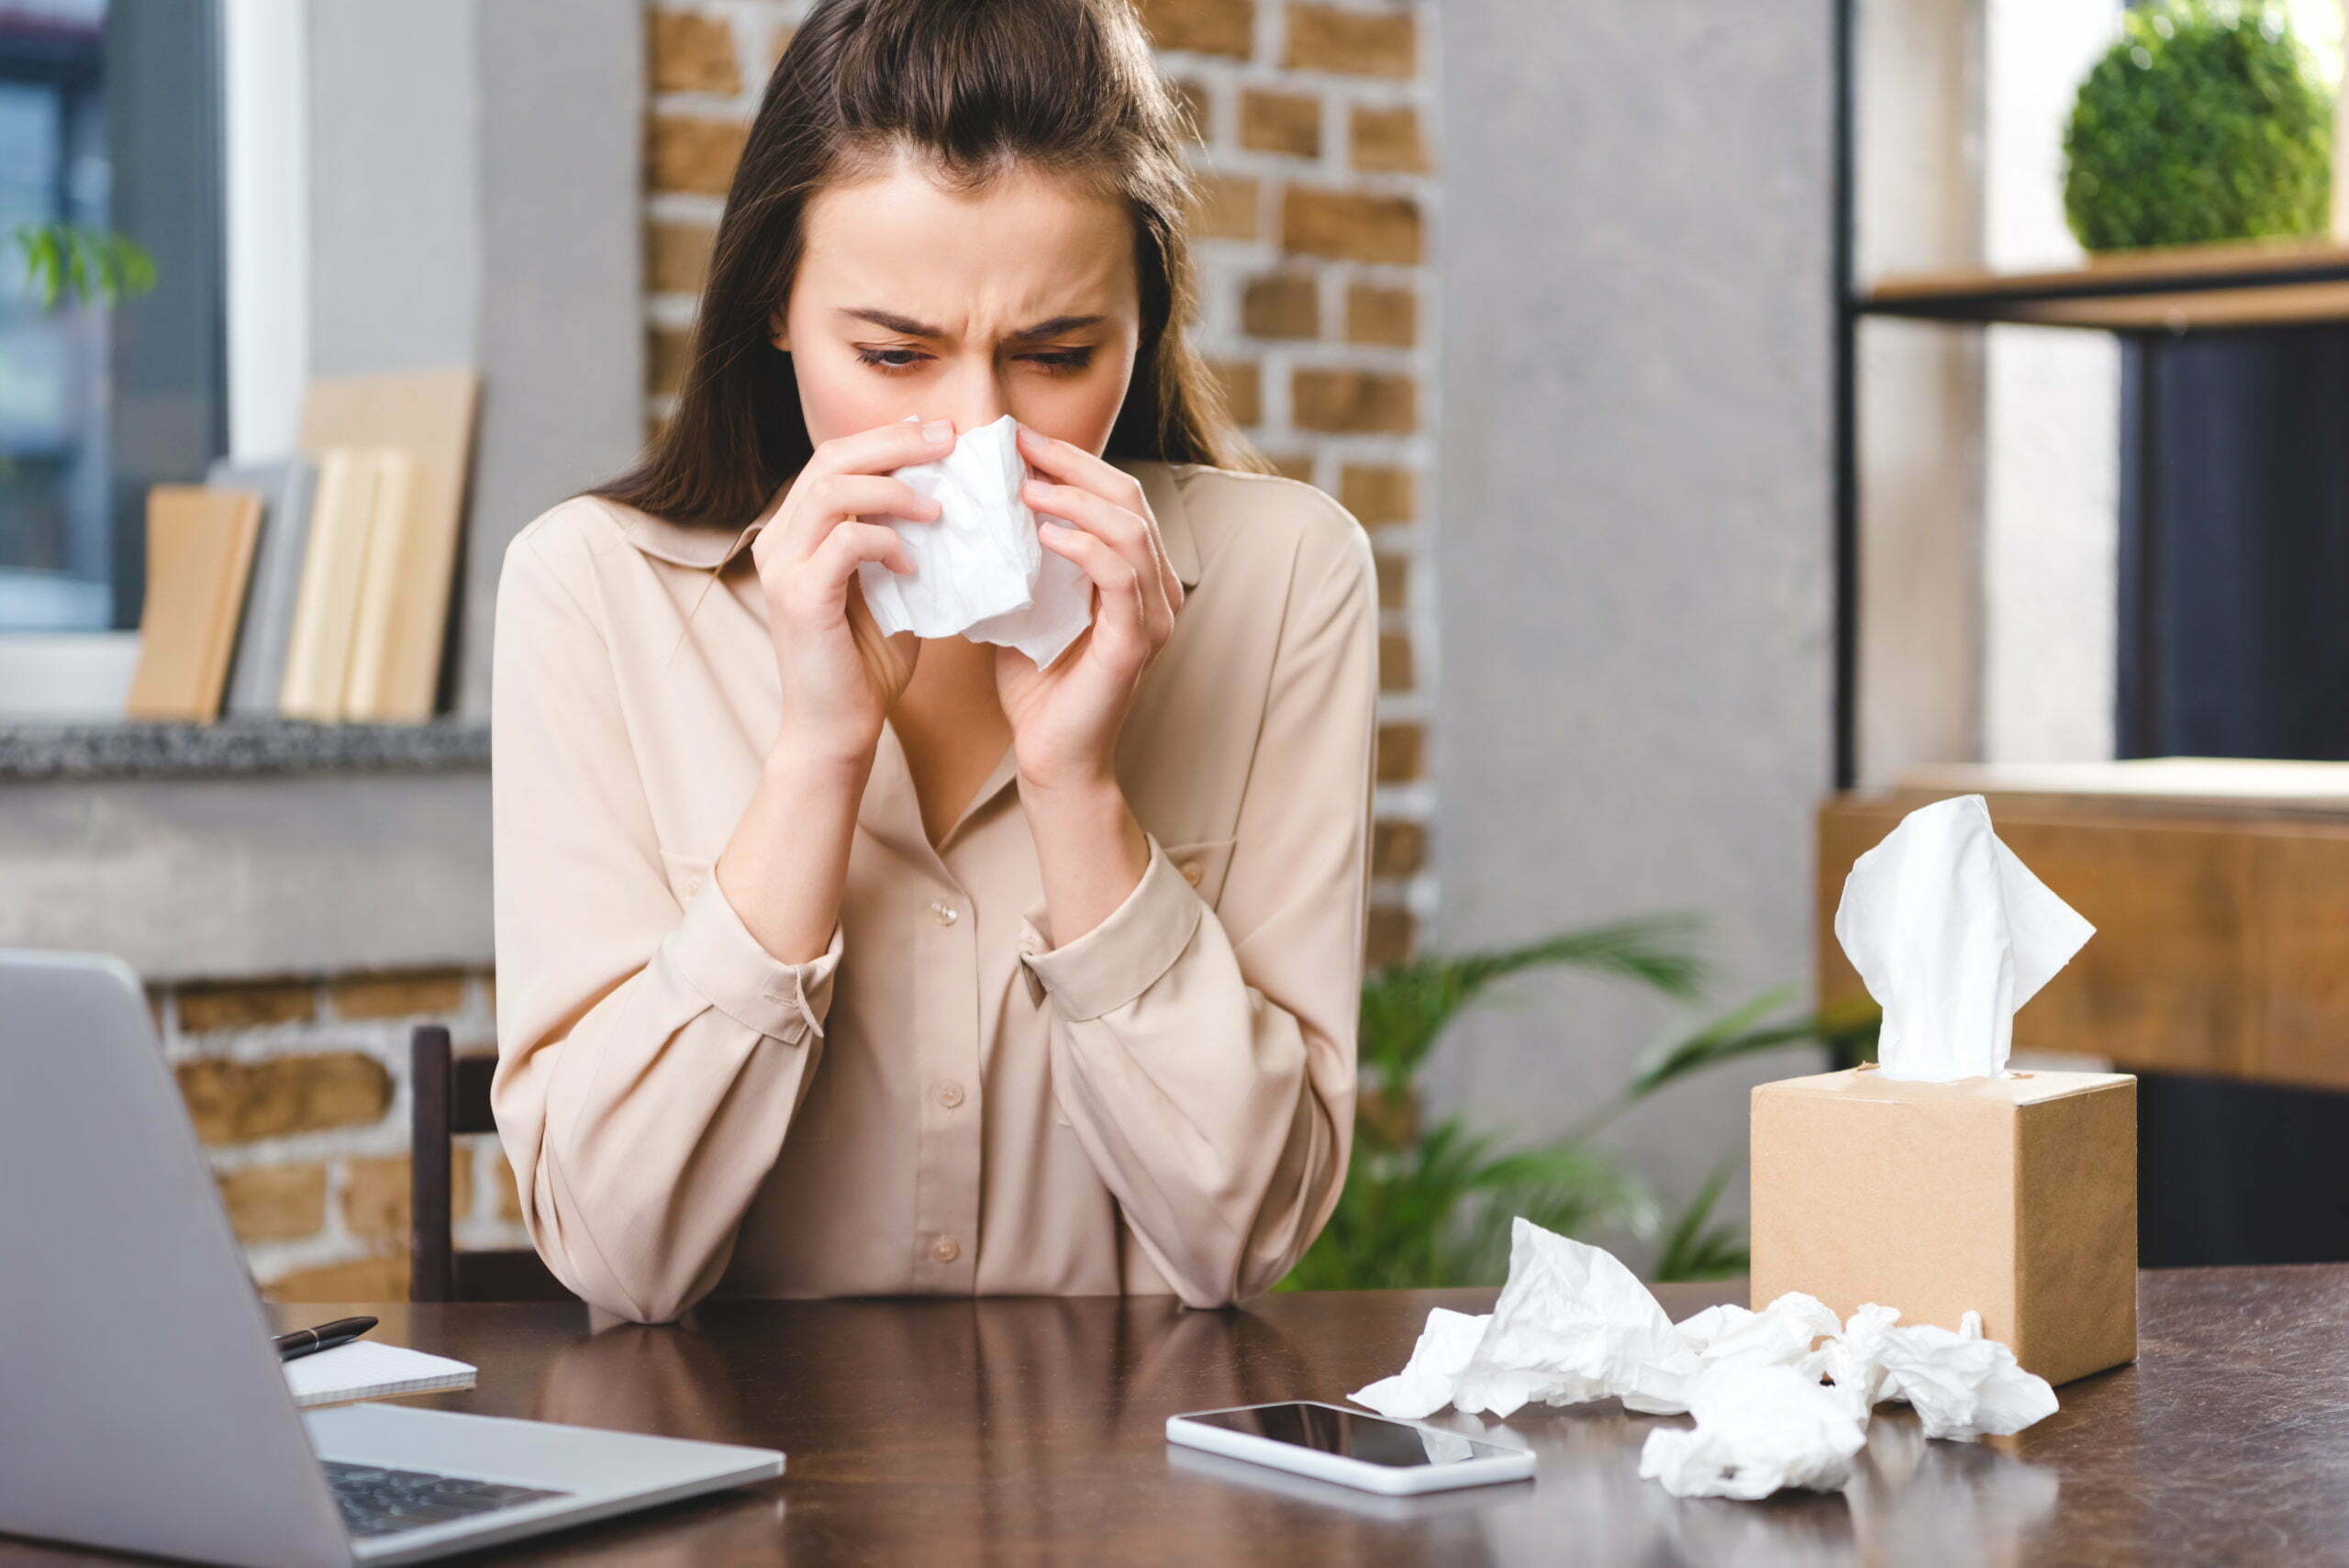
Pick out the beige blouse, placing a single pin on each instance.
(945, 1101)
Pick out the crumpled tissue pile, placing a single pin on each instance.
(1573, 1324)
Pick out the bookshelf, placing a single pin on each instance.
(2143, 295)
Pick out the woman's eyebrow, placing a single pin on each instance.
(893, 322)
(1055, 326)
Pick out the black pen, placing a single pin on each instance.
(324, 1337)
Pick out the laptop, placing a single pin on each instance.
(142, 1406)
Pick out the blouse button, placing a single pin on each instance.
(692, 885)
(950, 1094)
(946, 913)
(1190, 870)
(944, 1250)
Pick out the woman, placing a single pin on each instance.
(831, 963)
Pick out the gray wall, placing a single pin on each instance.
(1634, 563)
(395, 263)
(475, 200)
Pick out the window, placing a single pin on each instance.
(109, 117)
(56, 557)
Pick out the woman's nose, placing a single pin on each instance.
(976, 399)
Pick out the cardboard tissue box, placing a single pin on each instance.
(1936, 1181)
(2013, 1197)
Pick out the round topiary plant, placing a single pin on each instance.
(2205, 122)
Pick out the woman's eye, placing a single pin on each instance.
(889, 359)
(1059, 361)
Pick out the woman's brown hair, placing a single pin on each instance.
(970, 88)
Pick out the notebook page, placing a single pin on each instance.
(369, 1369)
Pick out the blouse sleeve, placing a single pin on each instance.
(1206, 1055)
(651, 1051)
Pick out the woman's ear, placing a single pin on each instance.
(776, 333)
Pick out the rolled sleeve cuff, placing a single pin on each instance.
(1123, 956)
(718, 957)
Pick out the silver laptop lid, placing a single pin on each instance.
(144, 1407)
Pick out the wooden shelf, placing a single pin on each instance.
(2264, 284)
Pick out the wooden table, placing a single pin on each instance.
(1029, 1430)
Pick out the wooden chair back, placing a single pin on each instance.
(449, 1096)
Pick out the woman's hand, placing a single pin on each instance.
(839, 674)
(1065, 719)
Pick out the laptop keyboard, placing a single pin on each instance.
(376, 1501)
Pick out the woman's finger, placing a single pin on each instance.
(1132, 537)
(1120, 582)
(1122, 530)
(851, 544)
(1072, 464)
(832, 498)
(883, 448)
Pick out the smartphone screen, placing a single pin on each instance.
(1374, 1439)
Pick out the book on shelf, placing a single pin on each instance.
(256, 668)
(392, 672)
(199, 556)
(361, 490)
(387, 584)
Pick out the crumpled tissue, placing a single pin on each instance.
(979, 570)
(1781, 1334)
(1760, 1427)
(1424, 1385)
(1573, 1324)
(1951, 933)
(1962, 1385)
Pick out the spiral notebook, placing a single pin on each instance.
(367, 1369)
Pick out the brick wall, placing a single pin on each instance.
(1315, 242)
(298, 1092)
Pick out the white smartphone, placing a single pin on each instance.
(1333, 1443)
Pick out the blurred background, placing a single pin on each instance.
(1766, 420)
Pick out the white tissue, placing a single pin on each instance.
(1622, 1354)
(1424, 1385)
(1961, 1385)
(979, 570)
(1573, 1324)
(1951, 933)
(1853, 1360)
(1781, 1334)
(1759, 1428)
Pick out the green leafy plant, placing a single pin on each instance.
(67, 261)
(1431, 1204)
(2204, 122)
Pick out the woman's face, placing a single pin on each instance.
(1018, 297)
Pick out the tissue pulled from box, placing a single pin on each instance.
(1760, 1427)
(1951, 933)
(979, 571)
(1573, 1325)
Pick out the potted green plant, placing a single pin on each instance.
(1429, 1203)
(65, 260)
(2204, 122)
